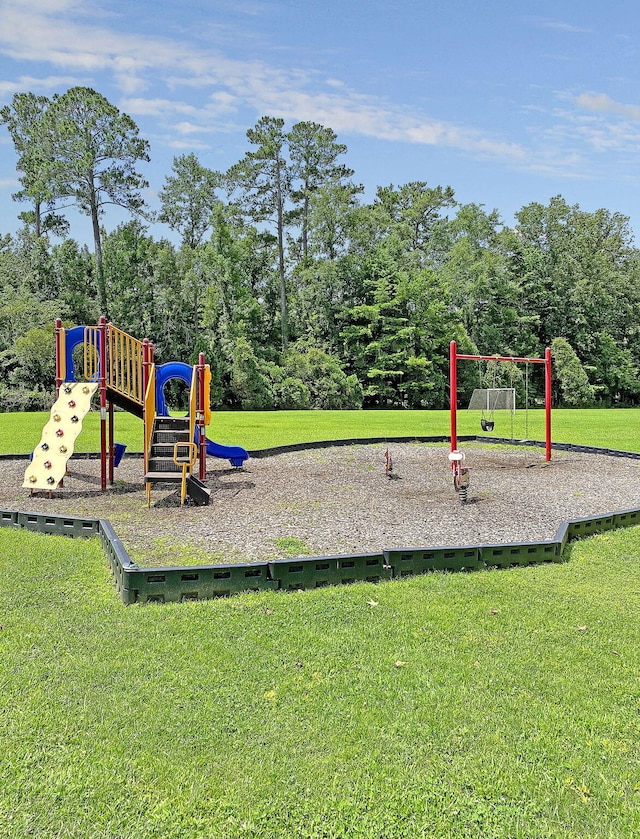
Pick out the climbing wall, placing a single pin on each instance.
(59, 435)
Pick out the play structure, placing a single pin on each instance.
(123, 371)
(488, 400)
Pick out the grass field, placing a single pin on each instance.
(611, 428)
(501, 704)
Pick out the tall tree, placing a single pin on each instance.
(483, 291)
(189, 198)
(235, 267)
(571, 378)
(396, 339)
(415, 213)
(331, 218)
(94, 158)
(74, 269)
(313, 151)
(263, 177)
(34, 146)
(574, 269)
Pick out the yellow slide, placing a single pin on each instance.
(59, 435)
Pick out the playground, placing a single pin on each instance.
(486, 704)
(333, 500)
(339, 500)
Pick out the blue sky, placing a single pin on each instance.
(507, 102)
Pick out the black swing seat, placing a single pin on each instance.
(487, 425)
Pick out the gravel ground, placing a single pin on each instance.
(339, 500)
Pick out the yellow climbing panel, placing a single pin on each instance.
(49, 463)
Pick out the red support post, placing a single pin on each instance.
(102, 384)
(147, 361)
(547, 400)
(453, 388)
(200, 412)
(111, 444)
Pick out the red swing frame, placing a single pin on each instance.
(455, 356)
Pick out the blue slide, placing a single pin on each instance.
(236, 455)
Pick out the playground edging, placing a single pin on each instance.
(178, 584)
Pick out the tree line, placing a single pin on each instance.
(300, 293)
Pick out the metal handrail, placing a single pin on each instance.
(186, 465)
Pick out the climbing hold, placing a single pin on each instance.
(74, 418)
(56, 417)
(47, 464)
(45, 447)
(51, 479)
(63, 449)
(59, 433)
(85, 389)
(33, 479)
(72, 404)
(68, 388)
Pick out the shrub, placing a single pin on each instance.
(250, 386)
(291, 393)
(571, 376)
(329, 386)
(21, 399)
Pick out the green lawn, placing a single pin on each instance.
(611, 428)
(500, 704)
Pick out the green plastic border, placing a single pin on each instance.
(203, 582)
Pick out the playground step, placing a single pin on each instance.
(161, 468)
(166, 449)
(163, 477)
(163, 464)
(170, 437)
(171, 423)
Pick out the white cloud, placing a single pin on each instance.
(188, 128)
(222, 102)
(587, 135)
(600, 103)
(9, 183)
(139, 106)
(35, 85)
(560, 25)
(188, 145)
(75, 35)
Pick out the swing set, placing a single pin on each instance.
(488, 400)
